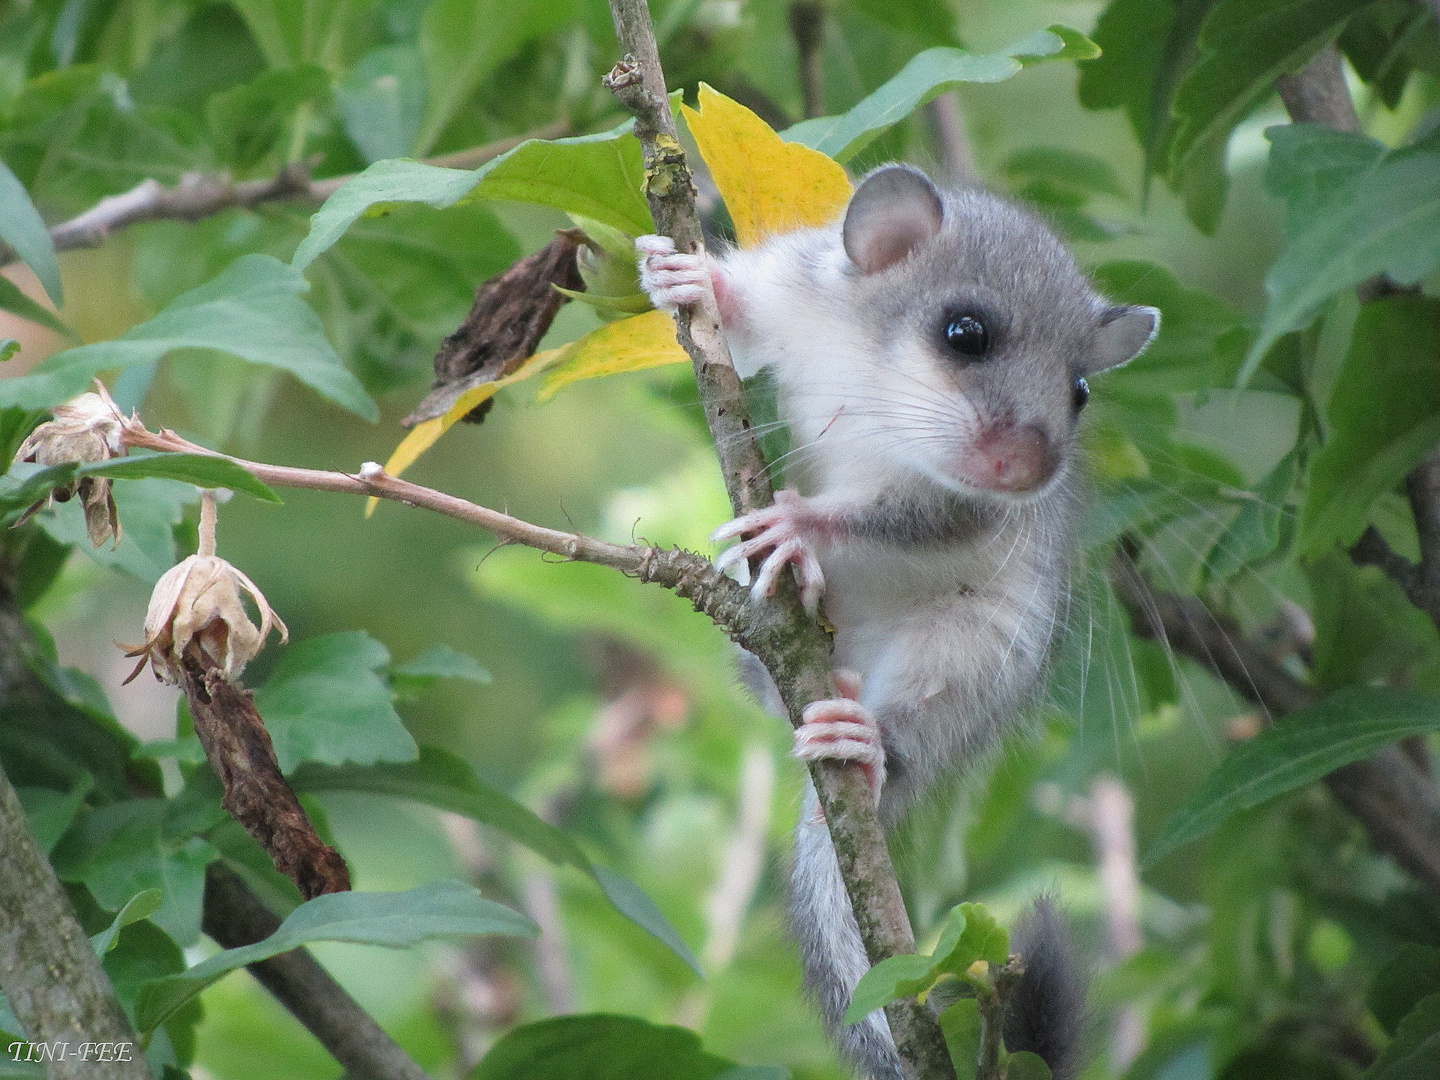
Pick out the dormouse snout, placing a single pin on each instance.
(1011, 458)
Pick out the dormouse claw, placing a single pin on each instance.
(841, 729)
(777, 533)
(670, 279)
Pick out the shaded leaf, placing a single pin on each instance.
(961, 1025)
(248, 121)
(382, 99)
(149, 510)
(24, 230)
(442, 780)
(326, 701)
(1378, 425)
(251, 310)
(17, 303)
(1411, 974)
(140, 906)
(1414, 1052)
(769, 186)
(1385, 220)
(1345, 726)
(438, 909)
(1025, 1065)
(926, 77)
(599, 1047)
(443, 662)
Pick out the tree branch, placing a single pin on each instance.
(50, 975)
(807, 25)
(799, 657)
(1395, 802)
(235, 916)
(201, 195)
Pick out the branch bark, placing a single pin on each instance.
(807, 26)
(1394, 801)
(50, 975)
(235, 916)
(799, 659)
(202, 195)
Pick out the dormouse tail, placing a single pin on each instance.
(1047, 1010)
(831, 952)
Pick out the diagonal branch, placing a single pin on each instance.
(202, 195)
(1393, 799)
(799, 661)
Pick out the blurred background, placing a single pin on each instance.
(612, 708)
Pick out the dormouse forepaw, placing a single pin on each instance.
(777, 536)
(670, 279)
(841, 729)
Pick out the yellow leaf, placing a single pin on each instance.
(769, 186)
(633, 344)
(424, 435)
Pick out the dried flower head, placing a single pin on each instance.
(86, 428)
(198, 605)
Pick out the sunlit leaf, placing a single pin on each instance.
(634, 344)
(926, 77)
(252, 310)
(202, 470)
(769, 186)
(439, 909)
(17, 303)
(140, 906)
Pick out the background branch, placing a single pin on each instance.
(807, 25)
(799, 657)
(202, 195)
(235, 916)
(1392, 798)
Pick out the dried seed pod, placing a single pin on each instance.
(86, 428)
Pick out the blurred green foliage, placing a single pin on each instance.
(1269, 425)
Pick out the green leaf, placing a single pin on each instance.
(149, 511)
(1378, 425)
(247, 122)
(443, 662)
(8, 348)
(251, 310)
(926, 77)
(50, 812)
(893, 978)
(1412, 973)
(291, 32)
(381, 100)
(599, 1047)
(463, 41)
(597, 176)
(1141, 42)
(140, 906)
(1414, 1052)
(442, 780)
(1024, 1065)
(962, 1027)
(122, 849)
(24, 230)
(1310, 163)
(1386, 41)
(438, 909)
(202, 470)
(1386, 220)
(17, 303)
(1345, 726)
(1244, 46)
(327, 702)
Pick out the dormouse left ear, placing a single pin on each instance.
(1124, 332)
(894, 210)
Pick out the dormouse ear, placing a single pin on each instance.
(1124, 333)
(894, 211)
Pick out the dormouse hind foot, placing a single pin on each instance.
(780, 534)
(671, 279)
(841, 729)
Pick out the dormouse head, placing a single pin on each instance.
(983, 332)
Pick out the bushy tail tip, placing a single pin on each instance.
(1047, 1009)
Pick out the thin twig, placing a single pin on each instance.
(952, 138)
(799, 660)
(202, 195)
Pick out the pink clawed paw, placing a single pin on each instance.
(670, 279)
(778, 534)
(841, 729)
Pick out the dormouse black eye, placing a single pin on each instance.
(1080, 392)
(967, 335)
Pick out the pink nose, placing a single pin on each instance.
(1010, 458)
